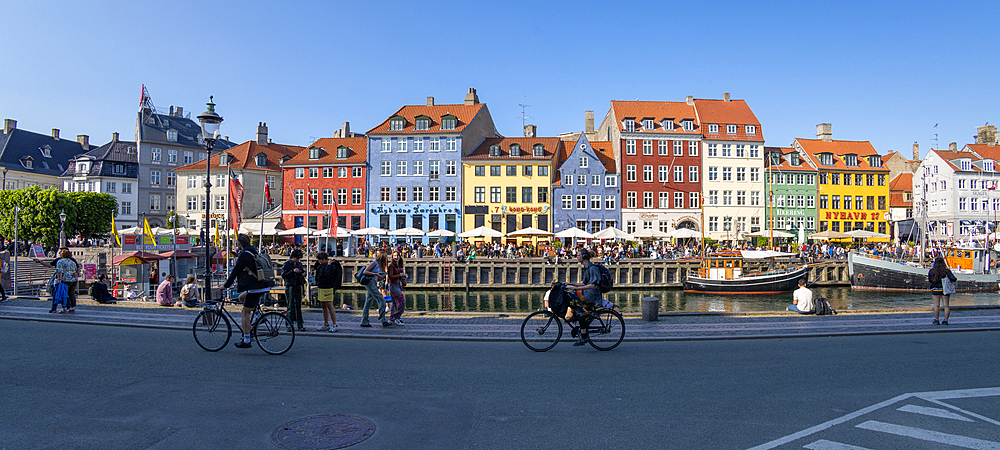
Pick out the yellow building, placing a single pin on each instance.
(506, 185)
(852, 187)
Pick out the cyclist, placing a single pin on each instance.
(588, 292)
(244, 273)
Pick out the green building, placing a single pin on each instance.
(790, 187)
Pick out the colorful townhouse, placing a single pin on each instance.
(790, 187)
(415, 157)
(586, 191)
(331, 172)
(853, 188)
(656, 149)
(507, 181)
(901, 205)
(733, 163)
(112, 169)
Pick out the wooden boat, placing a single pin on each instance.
(967, 263)
(723, 273)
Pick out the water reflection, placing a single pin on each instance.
(672, 300)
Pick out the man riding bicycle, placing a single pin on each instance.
(588, 292)
(251, 289)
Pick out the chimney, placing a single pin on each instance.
(430, 101)
(824, 132)
(179, 111)
(345, 130)
(114, 137)
(84, 141)
(55, 134)
(987, 134)
(588, 121)
(725, 97)
(690, 100)
(471, 98)
(916, 151)
(171, 114)
(261, 133)
(953, 146)
(530, 131)
(9, 125)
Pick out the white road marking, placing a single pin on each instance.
(959, 393)
(968, 413)
(936, 412)
(928, 435)
(824, 444)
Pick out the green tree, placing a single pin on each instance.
(87, 213)
(91, 214)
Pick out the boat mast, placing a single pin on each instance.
(923, 216)
(770, 202)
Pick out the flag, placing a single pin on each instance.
(235, 200)
(334, 215)
(217, 240)
(992, 187)
(114, 232)
(148, 231)
(267, 195)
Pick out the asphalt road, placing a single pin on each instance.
(75, 386)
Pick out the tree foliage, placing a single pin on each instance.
(87, 214)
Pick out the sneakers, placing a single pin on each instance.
(399, 322)
(333, 329)
(242, 344)
(584, 340)
(935, 322)
(386, 324)
(366, 325)
(944, 322)
(324, 328)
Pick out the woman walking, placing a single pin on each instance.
(326, 282)
(396, 273)
(375, 270)
(68, 270)
(937, 276)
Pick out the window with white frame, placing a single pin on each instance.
(418, 144)
(668, 124)
(713, 149)
(661, 148)
(450, 167)
(713, 128)
(630, 146)
(647, 147)
(664, 198)
(713, 173)
(172, 156)
(418, 194)
(630, 173)
(452, 144)
(401, 167)
(688, 125)
(678, 199)
(741, 150)
(647, 199)
(328, 172)
(356, 196)
(754, 198)
(692, 174)
(314, 172)
(610, 181)
(663, 173)
(730, 129)
(727, 198)
(396, 124)
(192, 182)
(584, 162)
(595, 180)
(741, 174)
(581, 180)
(628, 125)
(188, 157)
(418, 167)
(154, 155)
(581, 202)
(434, 194)
(567, 202)
(713, 198)
(754, 174)
(327, 196)
(154, 177)
(647, 173)
(384, 194)
(692, 148)
(713, 223)
(400, 194)
(595, 202)
(609, 202)
(435, 143)
(727, 174)
(678, 174)
(630, 199)
(385, 168)
(693, 200)
(751, 129)
(727, 149)
(386, 145)
(448, 123)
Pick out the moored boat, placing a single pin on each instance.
(723, 273)
(871, 273)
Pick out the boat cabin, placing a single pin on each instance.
(966, 259)
(722, 267)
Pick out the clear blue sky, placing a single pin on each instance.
(884, 72)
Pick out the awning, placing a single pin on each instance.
(179, 254)
(131, 259)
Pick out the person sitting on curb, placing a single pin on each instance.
(165, 292)
(802, 299)
(101, 292)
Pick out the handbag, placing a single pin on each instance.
(948, 285)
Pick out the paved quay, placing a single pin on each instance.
(506, 326)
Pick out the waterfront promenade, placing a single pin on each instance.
(446, 326)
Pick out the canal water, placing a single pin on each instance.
(671, 300)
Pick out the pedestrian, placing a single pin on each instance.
(293, 274)
(165, 292)
(396, 274)
(326, 282)
(942, 286)
(375, 270)
(191, 293)
(70, 270)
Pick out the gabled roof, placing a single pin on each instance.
(950, 157)
(903, 182)
(357, 152)
(153, 127)
(551, 146)
(733, 112)
(638, 110)
(464, 113)
(244, 157)
(123, 152)
(804, 163)
(605, 153)
(20, 144)
(815, 147)
(985, 151)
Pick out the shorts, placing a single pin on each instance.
(937, 291)
(252, 300)
(326, 295)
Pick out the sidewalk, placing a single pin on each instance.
(506, 326)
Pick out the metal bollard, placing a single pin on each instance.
(650, 309)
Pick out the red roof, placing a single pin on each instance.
(948, 156)
(605, 153)
(898, 200)
(638, 110)
(803, 166)
(733, 112)
(985, 151)
(463, 113)
(243, 157)
(814, 147)
(902, 183)
(357, 152)
(551, 146)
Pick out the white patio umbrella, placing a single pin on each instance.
(270, 229)
(650, 233)
(829, 234)
(575, 233)
(481, 232)
(441, 233)
(408, 231)
(684, 233)
(864, 234)
(370, 231)
(530, 231)
(342, 233)
(299, 231)
(130, 230)
(768, 233)
(611, 233)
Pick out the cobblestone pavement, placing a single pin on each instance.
(506, 326)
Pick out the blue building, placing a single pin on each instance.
(586, 190)
(415, 161)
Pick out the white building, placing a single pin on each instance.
(112, 169)
(958, 190)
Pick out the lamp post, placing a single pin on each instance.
(62, 228)
(17, 212)
(210, 123)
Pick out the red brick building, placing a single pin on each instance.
(330, 170)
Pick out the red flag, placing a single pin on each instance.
(235, 200)
(267, 193)
(992, 187)
(335, 214)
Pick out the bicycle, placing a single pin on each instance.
(543, 329)
(271, 329)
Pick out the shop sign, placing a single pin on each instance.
(504, 209)
(841, 215)
(398, 208)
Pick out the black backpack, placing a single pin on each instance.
(93, 292)
(558, 300)
(606, 284)
(823, 307)
(338, 273)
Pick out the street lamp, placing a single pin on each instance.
(17, 212)
(62, 228)
(210, 123)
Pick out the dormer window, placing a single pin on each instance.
(851, 160)
(775, 159)
(27, 162)
(515, 150)
(494, 151)
(988, 165)
(667, 124)
(172, 135)
(538, 151)
(448, 122)
(46, 151)
(396, 124)
(628, 125)
(423, 123)
(314, 152)
(119, 168)
(261, 160)
(647, 124)
(341, 152)
(751, 129)
(793, 159)
(875, 161)
(223, 159)
(826, 159)
(730, 129)
(688, 125)
(966, 165)
(82, 167)
(713, 128)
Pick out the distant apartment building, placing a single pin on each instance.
(790, 191)
(331, 170)
(586, 190)
(34, 159)
(113, 169)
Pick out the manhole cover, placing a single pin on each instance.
(326, 431)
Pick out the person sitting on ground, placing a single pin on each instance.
(101, 292)
(190, 293)
(802, 299)
(165, 292)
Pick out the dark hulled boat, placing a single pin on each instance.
(724, 274)
(870, 273)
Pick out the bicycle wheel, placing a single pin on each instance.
(273, 333)
(212, 330)
(607, 331)
(541, 331)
